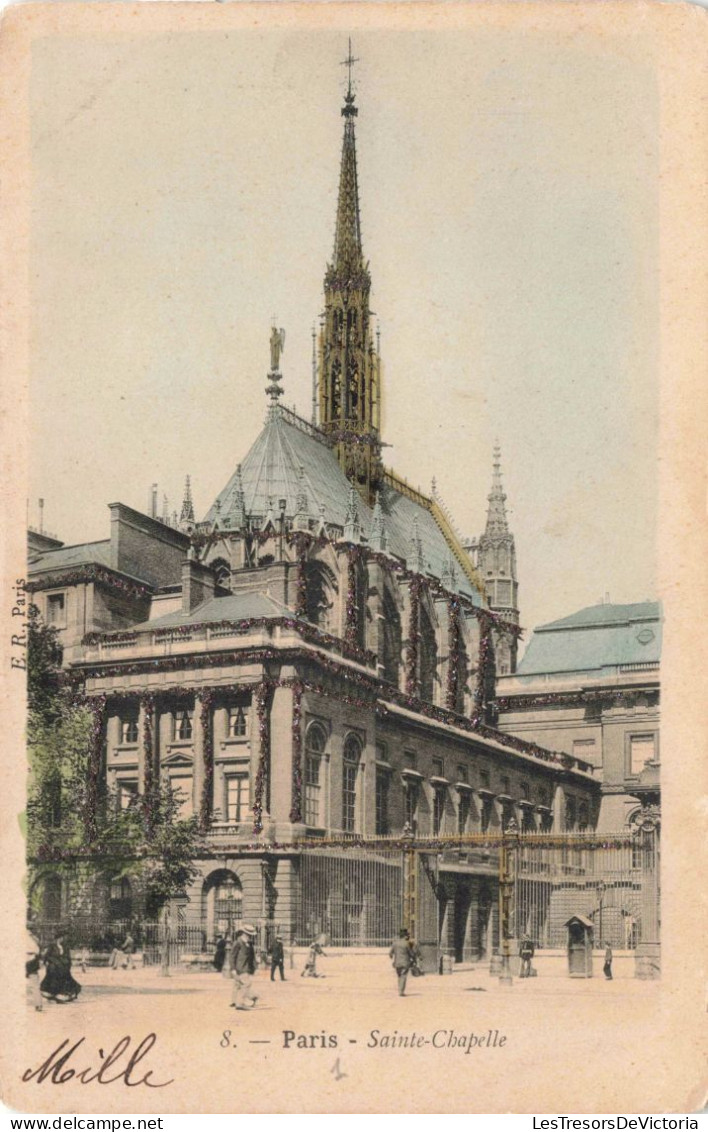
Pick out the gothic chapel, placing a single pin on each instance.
(314, 660)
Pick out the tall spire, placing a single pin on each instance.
(348, 255)
(349, 369)
(497, 523)
(496, 562)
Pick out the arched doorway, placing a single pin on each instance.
(47, 898)
(222, 903)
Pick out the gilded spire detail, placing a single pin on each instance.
(349, 366)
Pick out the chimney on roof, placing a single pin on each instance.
(153, 501)
(41, 516)
(198, 583)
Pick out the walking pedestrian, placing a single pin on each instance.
(128, 949)
(607, 968)
(243, 966)
(402, 957)
(526, 952)
(277, 959)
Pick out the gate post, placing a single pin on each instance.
(410, 891)
(507, 852)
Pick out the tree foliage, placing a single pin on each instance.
(81, 831)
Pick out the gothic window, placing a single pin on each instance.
(428, 658)
(222, 573)
(320, 592)
(183, 725)
(315, 742)
(336, 390)
(353, 384)
(391, 639)
(350, 776)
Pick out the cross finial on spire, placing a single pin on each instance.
(349, 63)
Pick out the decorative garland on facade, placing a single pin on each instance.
(352, 610)
(412, 648)
(485, 649)
(206, 699)
(150, 787)
(263, 691)
(365, 682)
(453, 660)
(309, 633)
(296, 814)
(301, 583)
(97, 706)
(86, 574)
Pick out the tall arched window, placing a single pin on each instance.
(392, 643)
(320, 594)
(350, 784)
(315, 743)
(428, 658)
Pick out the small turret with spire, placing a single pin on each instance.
(495, 554)
(186, 517)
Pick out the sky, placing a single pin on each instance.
(184, 193)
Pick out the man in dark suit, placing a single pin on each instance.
(243, 966)
(277, 959)
(402, 957)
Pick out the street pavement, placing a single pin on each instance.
(317, 1044)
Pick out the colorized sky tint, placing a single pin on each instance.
(184, 191)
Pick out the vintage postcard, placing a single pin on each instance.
(354, 421)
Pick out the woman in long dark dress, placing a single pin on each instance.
(219, 953)
(59, 984)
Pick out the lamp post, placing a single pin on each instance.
(601, 886)
(506, 894)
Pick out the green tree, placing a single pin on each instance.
(84, 833)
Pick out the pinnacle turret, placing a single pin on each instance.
(187, 513)
(497, 523)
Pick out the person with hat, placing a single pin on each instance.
(526, 953)
(277, 959)
(401, 955)
(243, 966)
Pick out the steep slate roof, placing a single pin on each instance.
(601, 636)
(271, 471)
(67, 557)
(234, 607)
